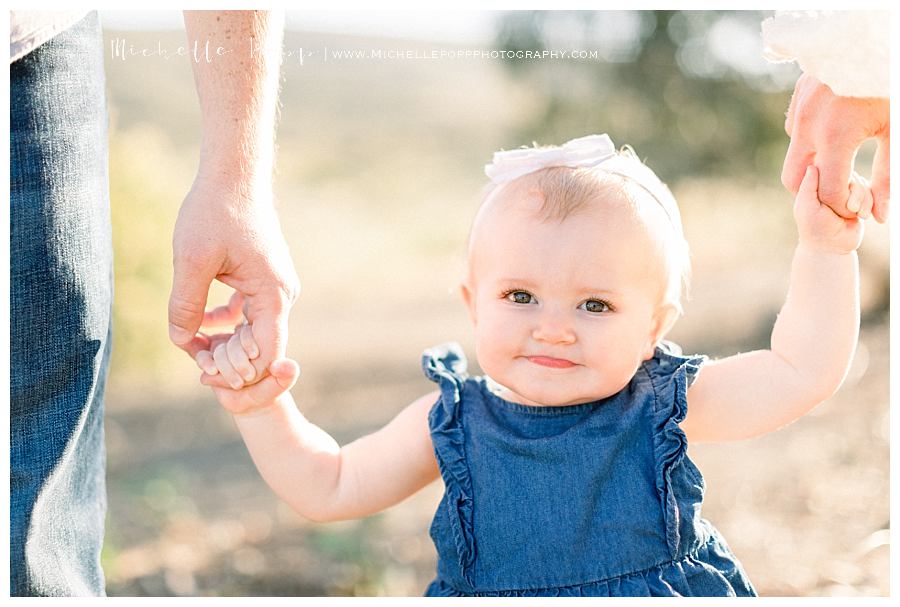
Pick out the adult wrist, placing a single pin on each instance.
(237, 162)
(251, 183)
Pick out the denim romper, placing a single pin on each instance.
(597, 499)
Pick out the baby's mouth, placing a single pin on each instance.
(549, 361)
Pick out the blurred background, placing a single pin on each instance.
(380, 164)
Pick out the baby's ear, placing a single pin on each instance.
(468, 295)
(663, 320)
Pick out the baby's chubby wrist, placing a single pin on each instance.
(825, 252)
(815, 246)
(259, 411)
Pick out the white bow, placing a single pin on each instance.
(582, 152)
(589, 151)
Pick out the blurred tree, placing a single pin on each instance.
(688, 89)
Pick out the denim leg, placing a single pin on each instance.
(60, 310)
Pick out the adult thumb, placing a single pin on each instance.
(881, 179)
(187, 302)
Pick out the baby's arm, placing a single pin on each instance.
(813, 339)
(306, 467)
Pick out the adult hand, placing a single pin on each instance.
(232, 235)
(826, 131)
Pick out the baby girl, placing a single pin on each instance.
(565, 466)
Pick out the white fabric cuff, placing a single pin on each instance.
(847, 50)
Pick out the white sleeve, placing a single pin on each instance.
(847, 50)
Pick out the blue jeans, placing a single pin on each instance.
(60, 309)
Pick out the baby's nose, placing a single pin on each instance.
(554, 326)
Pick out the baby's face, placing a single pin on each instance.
(564, 311)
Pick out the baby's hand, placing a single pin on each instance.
(282, 376)
(232, 358)
(821, 228)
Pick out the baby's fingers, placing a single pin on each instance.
(220, 355)
(861, 200)
(248, 342)
(854, 202)
(865, 210)
(238, 357)
(205, 361)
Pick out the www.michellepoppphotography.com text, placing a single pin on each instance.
(207, 52)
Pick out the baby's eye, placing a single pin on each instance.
(520, 297)
(595, 306)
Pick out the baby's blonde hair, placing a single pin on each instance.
(568, 191)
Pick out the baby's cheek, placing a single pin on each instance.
(497, 359)
(486, 354)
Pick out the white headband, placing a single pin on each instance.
(592, 151)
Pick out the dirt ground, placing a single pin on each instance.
(806, 509)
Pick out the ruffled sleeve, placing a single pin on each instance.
(446, 366)
(678, 482)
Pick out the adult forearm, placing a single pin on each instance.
(817, 329)
(238, 91)
(298, 460)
